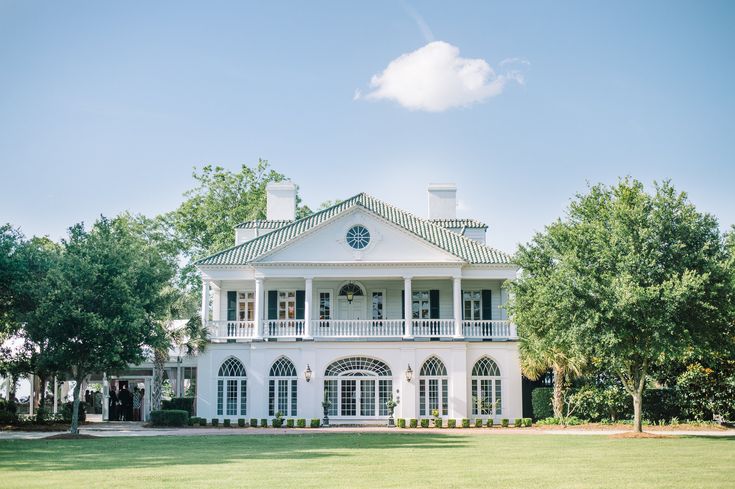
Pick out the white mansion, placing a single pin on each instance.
(359, 303)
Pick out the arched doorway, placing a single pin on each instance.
(282, 388)
(486, 388)
(232, 388)
(433, 388)
(351, 300)
(358, 387)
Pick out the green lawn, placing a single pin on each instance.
(370, 461)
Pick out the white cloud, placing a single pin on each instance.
(435, 78)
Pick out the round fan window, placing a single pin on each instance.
(358, 237)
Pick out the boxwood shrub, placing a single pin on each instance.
(169, 417)
(478, 423)
(518, 423)
(527, 422)
(241, 423)
(289, 423)
(227, 423)
(541, 402)
(401, 422)
(413, 423)
(253, 422)
(438, 423)
(465, 423)
(425, 423)
(451, 423)
(315, 423)
(301, 423)
(215, 422)
(504, 422)
(489, 423)
(202, 422)
(263, 423)
(184, 403)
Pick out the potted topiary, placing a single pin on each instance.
(326, 404)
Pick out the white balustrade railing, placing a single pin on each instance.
(433, 327)
(231, 329)
(488, 329)
(283, 328)
(350, 328)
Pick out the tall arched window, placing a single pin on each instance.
(358, 387)
(486, 388)
(433, 388)
(282, 388)
(232, 388)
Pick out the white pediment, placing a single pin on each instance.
(388, 243)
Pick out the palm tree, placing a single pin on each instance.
(539, 355)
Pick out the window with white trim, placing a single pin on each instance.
(433, 388)
(286, 304)
(232, 392)
(282, 388)
(246, 306)
(378, 304)
(486, 388)
(358, 387)
(325, 304)
(472, 300)
(421, 305)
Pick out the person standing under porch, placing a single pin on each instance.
(112, 405)
(126, 403)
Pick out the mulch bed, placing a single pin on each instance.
(68, 436)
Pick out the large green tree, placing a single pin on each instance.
(100, 303)
(632, 279)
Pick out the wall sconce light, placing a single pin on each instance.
(307, 373)
(409, 373)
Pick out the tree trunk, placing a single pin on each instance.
(637, 409)
(74, 429)
(558, 400)
(41, 413)
(159, 360)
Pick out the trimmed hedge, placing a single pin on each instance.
(489, 423)
(253, 422)
(215, 422)
(425, 423)
(227, 423)
(241, 423)
(465, 423)
(504, 422)
(289, 423)
(183, 403)
(202, 421)
(301, 423)
(263, 423)
(478, 423)
(451, 423)
(413, 423)
(518, 423)
(315, 423)
(401, 423)
(527, 422)
(170, 417)
(541, 402)
(438, 423)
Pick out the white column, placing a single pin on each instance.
(457, 307)
(30, 397)
(408, 301)
(56, 396)
(205, 301)
(259, 290)
(307, 306)
(105, 397)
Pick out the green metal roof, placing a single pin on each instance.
(464, 248)
(263, 224)
(459, 223)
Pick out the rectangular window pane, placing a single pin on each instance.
(433, 394)
(377, 305)
(498, 405)
(271, 398)
(325, 306)
(220, 395)
(474, 397)
(293, 397)
(231, 398)
(486, 388)
(367, 398)
(422, 397)
(349, 401)
(330, 393)
(243, 397)
(283, 396)
(385, 393)
(445, 397)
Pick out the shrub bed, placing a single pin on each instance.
(489, 423)
(504, 422)
(227, 423)
(169, 417)
(438, 423)
(424, 423)
(401, 423)
(451, 423)
(253, 422)
(413, 423)
(465, 423)
(301, 423)
(315, 423)
(183, 403)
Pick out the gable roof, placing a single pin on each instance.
(464, 248)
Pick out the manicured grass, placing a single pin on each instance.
(370, 461)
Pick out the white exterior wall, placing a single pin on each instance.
(458, 357)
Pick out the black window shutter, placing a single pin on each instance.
(231, 305)
(300, 299)
(487, 305)
(403, 304)
(272, 304)
(434, 304)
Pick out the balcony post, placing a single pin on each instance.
(258, 308)
(205, 301)
(309, 284)
(457, 289)
(408, 312)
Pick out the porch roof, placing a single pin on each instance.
(464, 248)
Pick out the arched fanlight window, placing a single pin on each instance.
(433, 387)
(282, 388)
(232, 388)
(350, 290)
(358, 386)
(486, 388)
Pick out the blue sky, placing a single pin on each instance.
(107, 106)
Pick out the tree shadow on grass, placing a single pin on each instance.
(146, 452)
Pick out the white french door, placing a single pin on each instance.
(353, 310)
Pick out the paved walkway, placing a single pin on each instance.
(136, 429)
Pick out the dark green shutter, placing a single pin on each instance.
(300, 299)
(434, 304)
(231, 305)
(403, 304)
(487, 305)
(272, 304)
(461, 303)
